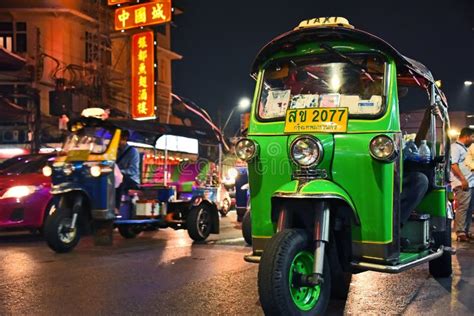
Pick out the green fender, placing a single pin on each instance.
(315, 189)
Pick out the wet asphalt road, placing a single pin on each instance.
(164, 273)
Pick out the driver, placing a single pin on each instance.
(128, 161)
(415, 184)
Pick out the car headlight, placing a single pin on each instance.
(19, 191)
(383, 148)
(306, 151)
(246, 149)
(47, 171)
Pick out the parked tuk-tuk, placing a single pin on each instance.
(324, 154)
(83, 180)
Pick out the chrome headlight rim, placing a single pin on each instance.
(388, 158)
(315, 141)
(252, 144)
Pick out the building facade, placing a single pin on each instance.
(73, 59)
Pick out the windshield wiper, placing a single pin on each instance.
(349, 60)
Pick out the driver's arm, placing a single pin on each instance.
(458, 174)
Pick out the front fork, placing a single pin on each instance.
(76, 208)
(320, 237)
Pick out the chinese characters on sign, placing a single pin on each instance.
(143, 81)
(149, 13)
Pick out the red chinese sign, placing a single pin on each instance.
(143, 79)
(113, 2)
(149, 13)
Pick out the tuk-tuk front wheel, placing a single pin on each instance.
(129, 231)
(198, 222)
(58, 232)
(287, 257)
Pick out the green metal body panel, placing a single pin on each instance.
(271, 170)
(325, 187)
(434, 203)
(370, 184)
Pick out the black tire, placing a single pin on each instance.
(340, 280)
(274, 273)
(240, 213)
(198, 222)
(441, 267)
(225, 208)
(55, 231)
(247, 228)
(51, 208)
(129, 231)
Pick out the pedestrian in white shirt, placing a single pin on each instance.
(462, 182)
(470, 164)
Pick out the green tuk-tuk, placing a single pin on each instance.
(324, 154)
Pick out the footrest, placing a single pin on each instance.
(451, 250)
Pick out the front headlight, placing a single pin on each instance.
(47, 171)
(96, 171)
(19, 191)
(246, 149)
(382, 148)
(306, 151)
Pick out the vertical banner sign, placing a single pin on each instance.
(143, 79)
(149, 13)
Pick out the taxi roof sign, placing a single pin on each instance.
(324, 22)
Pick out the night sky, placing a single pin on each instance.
(219, 40)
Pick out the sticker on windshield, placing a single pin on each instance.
(277, 103)
(304, 101)
(326, 120)
(331, 100)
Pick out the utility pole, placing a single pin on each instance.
(34, 96)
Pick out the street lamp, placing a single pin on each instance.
(243, 105)
(468, 83)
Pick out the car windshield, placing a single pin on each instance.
(356, 83)
(28, 164)
(93, 139)
(10, 162)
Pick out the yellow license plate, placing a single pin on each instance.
(326, 120)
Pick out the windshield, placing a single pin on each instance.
(30, 164)
(355, 83)
(9, 162)
(93, 139)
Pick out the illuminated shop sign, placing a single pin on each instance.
(149, 13)
(143, 79)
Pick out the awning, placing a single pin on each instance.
(10, 112)
(10, 61)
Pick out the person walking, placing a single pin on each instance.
(470, 164)
(462, 182)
